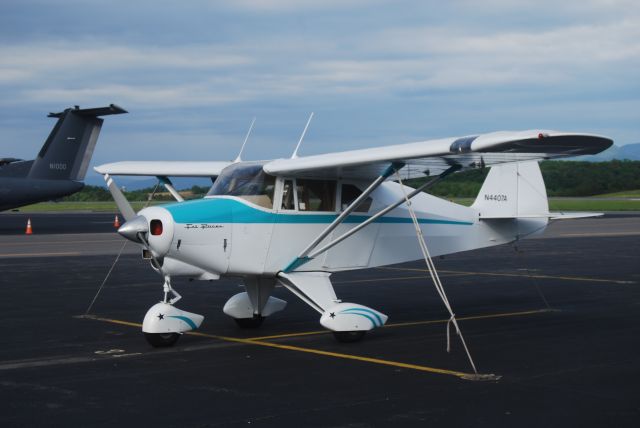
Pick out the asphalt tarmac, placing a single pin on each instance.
(15, 223)
(556, 320)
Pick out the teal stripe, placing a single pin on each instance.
(373, 322)
(234, 211)
(372, 312)
(185, 319)
(296, 263)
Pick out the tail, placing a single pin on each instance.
(514, 190)
(67, 152)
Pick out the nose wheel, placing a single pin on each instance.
(162, 340)
(349, 336)
(164, 323)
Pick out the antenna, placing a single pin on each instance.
(239, 158)
(295, 152)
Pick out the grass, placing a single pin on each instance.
(623, 194)
(588, 204)
(555, 204)
(98, 206)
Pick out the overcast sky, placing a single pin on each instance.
(193, 74)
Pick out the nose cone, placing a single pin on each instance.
(133, 227)
(157, 224)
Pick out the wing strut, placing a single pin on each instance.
(169, 186)
(309, 253)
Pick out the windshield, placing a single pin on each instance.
(247, 181)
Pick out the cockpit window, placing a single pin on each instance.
(316, 195)
(349, 194)
(247, 181)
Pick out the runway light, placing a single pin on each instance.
(156, 227)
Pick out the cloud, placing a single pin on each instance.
(446, 58)
(146, 96)
(294, 5)
(44, 57)
(373, 72)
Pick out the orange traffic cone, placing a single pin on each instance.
(116, 222)
(29, 230)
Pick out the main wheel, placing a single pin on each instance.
(348, 336)
(162, 340)
(254, 322)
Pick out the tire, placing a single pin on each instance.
(162, 340)
(254, 322)
(349, 336)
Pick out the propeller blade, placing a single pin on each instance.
(123, 205)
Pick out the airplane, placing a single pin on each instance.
(61, 164)
(295, 221)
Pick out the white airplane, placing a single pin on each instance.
(295, 221)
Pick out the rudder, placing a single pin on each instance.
(513, 190)
(67, 151)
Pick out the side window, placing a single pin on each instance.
(287, 195)
(349, 194)
(316, 195)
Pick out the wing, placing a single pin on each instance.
(435, 156)
(164, 168)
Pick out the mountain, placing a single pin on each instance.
(628, 151)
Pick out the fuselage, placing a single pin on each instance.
(229, 235)
(17, 192)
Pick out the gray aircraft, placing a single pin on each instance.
(61, 164)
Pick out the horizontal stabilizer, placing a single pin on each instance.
(570, 215)
(550, 216)
(97, 111)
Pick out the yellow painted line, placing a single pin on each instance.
(7, 255)
(411, 323)
(602, 234)
(394, 278)
(472, 317)
(286, 335)
(364, 359)
(519, 275)
(417, 367)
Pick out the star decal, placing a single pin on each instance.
(332, 314)
(160, 316)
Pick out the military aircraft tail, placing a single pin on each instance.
(67, 151)
(513, 190)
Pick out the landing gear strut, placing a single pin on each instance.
(254, 322)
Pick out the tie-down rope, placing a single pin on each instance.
(435, 277)
(113, 265)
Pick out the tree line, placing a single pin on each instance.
(562, 178)
(99, 193)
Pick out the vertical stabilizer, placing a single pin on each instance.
(513, 190)
(67, 151)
